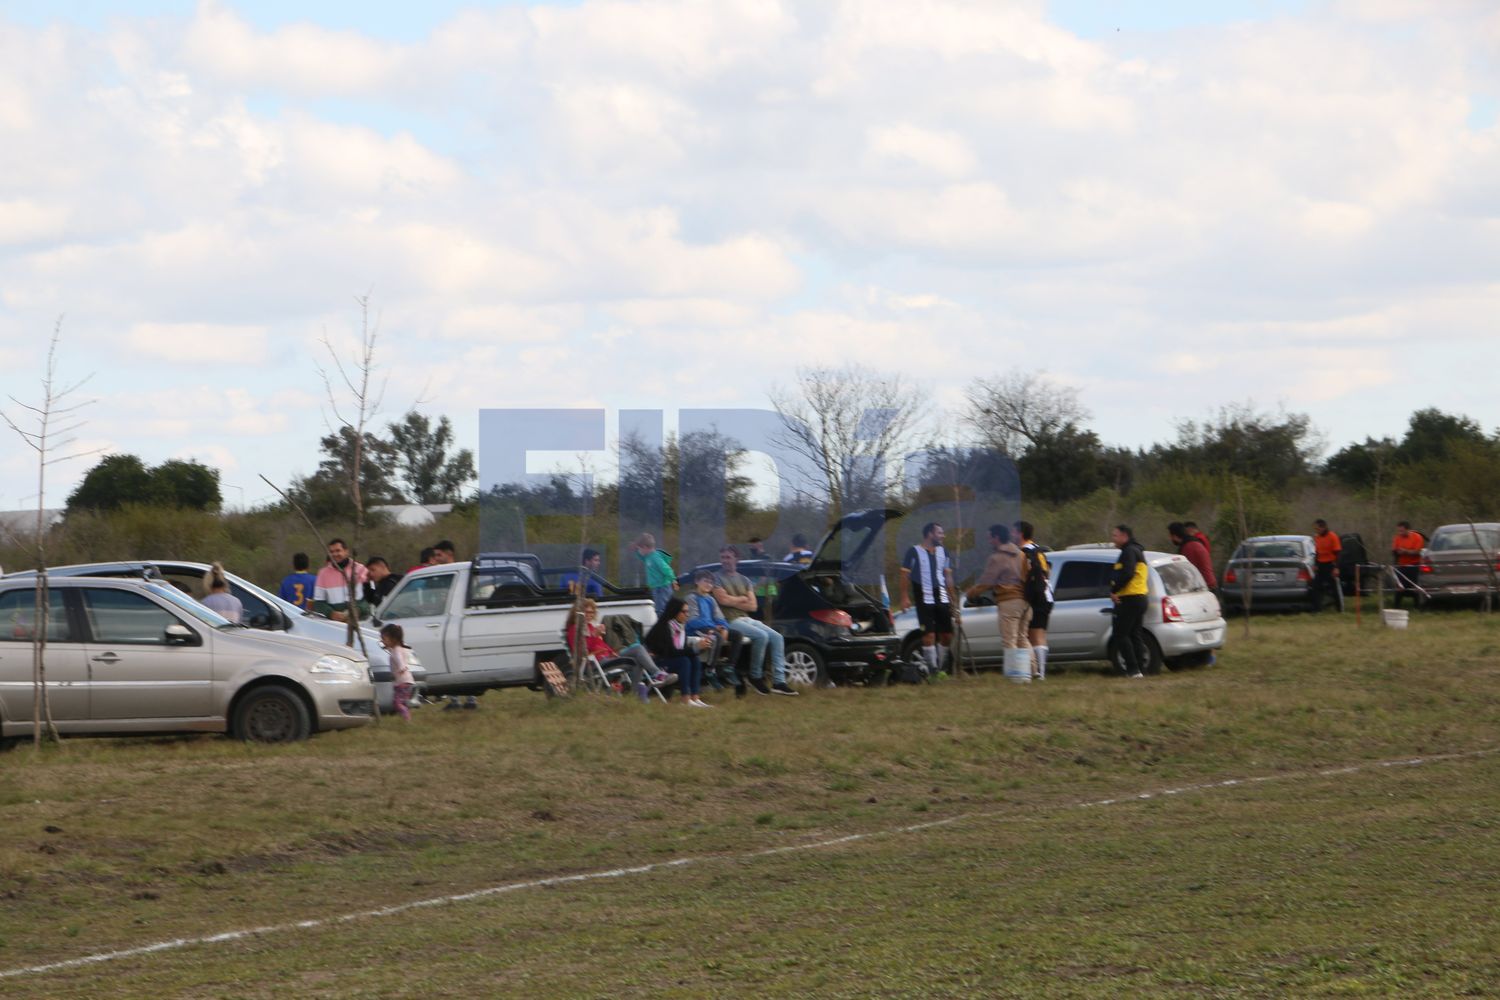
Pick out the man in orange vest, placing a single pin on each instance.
(1326, 576)
(1406, 550)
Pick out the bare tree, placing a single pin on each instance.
(1014, 411)
(846, 426)
(354, 399)
(53, 423)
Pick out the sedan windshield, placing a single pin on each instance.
(1463, 537)
(167, 592)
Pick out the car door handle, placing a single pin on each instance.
(107, 658)
(434, 624)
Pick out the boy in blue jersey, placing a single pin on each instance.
(297, 587)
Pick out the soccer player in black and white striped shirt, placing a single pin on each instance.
(927, 581)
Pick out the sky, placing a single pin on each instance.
(659, 205)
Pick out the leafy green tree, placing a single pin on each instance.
(1360, 466)
(175, 483)
(1273, 449)
(326, 493)
(1431, 433)
(116, 480)
(428, 473)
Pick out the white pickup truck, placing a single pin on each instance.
(488, 623)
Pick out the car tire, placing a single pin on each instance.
(805, 666)
(272, 714)
(1154, 659)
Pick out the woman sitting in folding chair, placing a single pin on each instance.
(644, 674)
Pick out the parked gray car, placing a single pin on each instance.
(263, 610)
(1183, 621)
(135, 656)
(1461, 562)
(1269, 571)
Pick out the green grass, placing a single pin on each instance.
(1378, 882)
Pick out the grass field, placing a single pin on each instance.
(1379, 880)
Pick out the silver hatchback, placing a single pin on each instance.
(132, 656)
(1184, 625)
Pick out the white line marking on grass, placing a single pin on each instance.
(227, 937)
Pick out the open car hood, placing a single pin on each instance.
(847, 543)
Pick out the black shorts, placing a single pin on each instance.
(1040, 615)
(935, 618)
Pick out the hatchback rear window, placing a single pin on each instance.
(1269, 550)
(1458, 537)
(1180, 578)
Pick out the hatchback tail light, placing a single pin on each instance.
(832, 616)
(1169, 612)
(1229, 576)
(1426, 565)
(1303, 576)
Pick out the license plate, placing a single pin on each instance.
(1467, 588)
(1267, 577)
(1210, 637)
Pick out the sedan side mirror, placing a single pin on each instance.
(178, 634)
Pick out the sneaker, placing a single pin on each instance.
(663, 679)
(471, 704)
(781, 687)
(759, 684)
(452, 706)
(1136, 674)
(698, 704)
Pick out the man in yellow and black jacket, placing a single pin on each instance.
(1127, 588)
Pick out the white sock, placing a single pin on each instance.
(929, 653)
(1039, 653)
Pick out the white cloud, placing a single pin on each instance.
(654, 192)
(190, 343)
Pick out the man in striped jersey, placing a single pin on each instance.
(927, 579)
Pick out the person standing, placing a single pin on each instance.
(382, 581)
(218, 598)
(339, 583)
(393, 638)
(1326, 566)
(1406, 552)
(443, 553)
(799, 552)
(736, 597)
(1194, 551)
(297, 586)
(1003, 574)
(1037, 586)
(423, 560)
(1191, 528)
(587, 572)
(659, 577)
(927, 579)
(1127, 589)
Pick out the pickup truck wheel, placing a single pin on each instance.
(272, 714)
(804, 666)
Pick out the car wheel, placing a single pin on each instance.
(272, 714)
(1153, 656)
(804, 666)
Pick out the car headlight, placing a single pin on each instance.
(336, 665)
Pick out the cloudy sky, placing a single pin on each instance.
(675, 204)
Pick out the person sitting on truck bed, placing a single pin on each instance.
(588, 572)
(644, 670)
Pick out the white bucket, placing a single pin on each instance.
(1394, 617)
(1018, 665)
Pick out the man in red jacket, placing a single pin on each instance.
(1194, 551)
